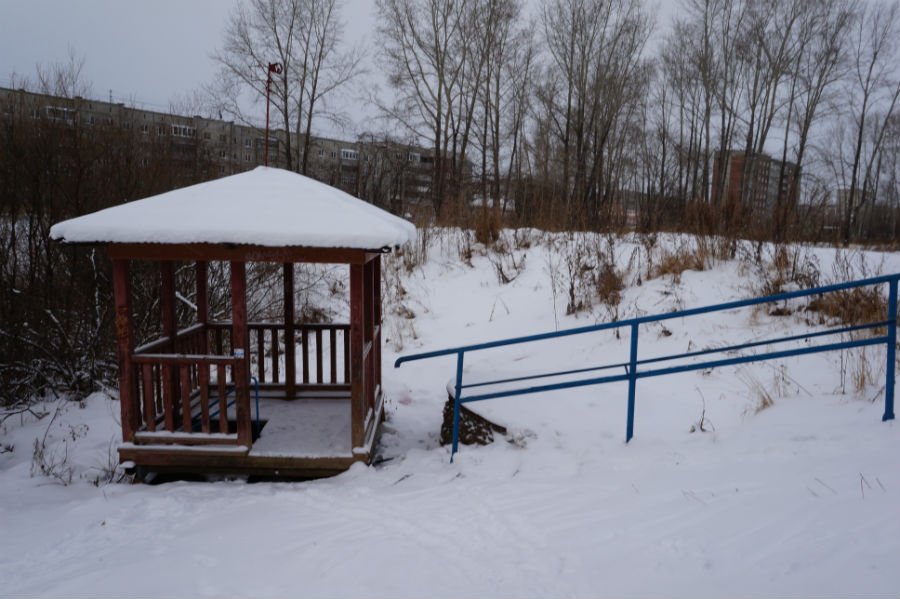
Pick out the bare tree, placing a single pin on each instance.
(874, 91)
(435, 69)
(304, 36)
(595, 74)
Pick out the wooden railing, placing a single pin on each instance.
(324, 351)
(175, 397)
(184, 385)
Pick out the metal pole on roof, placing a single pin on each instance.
(274, 67)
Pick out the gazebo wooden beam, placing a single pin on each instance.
(124, 348)
(201, 270)
(357, 379)
(290, 366)
(237, 253)
(240, 340)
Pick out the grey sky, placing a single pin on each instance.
(146, 52)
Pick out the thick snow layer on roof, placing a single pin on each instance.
(265, 206)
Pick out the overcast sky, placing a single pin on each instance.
(146, 52)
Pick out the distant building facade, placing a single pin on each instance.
(380, 170)
(757, 182)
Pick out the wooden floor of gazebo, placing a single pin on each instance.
(300, 438)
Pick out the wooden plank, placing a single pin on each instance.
(203, 382)
(276, 374)
(357, 382)
(240, 345)
(370, 331)
(304, 340)
(201, 272)
(235, 253)
(124, 349)
(157, 381)
(141, 453)
(319, 356)
(165, 437)
(346, 338)
(332, 341)
(186, 423)
(167, 301)
(178, 359)
(261, 355)
(168, 397)
(149, 399)
(169, 323)
(290, 366)
(377, 322)
(223, 399)
(229, 460)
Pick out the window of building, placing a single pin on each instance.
(57, 113)
(145, 128)
(246, 156)
(223, 155)
(349, 154)
(414, 157)
(248, 143)
(321, 152)
(183, 131)
(333, 154)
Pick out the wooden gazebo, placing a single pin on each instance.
(276, 398)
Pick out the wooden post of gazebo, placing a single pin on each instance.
(240, 349)
(290, 365)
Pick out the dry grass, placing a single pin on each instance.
(852, 306)
(610, 285)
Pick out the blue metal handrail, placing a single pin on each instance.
(632, 374)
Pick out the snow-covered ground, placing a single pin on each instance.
(798, 498)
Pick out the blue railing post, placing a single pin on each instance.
(891, 353)
(632, 382)
(457, 391)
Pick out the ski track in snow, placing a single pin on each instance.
(769, 503)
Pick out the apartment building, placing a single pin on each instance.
(758, 182)
(381, 170)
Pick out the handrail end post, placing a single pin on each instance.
(456, 404)
(891, 364)
(632, 382)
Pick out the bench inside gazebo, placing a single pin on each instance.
(283, 398)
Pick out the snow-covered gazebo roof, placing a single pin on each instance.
(264, 207)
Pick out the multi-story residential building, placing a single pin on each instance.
(378, 169)
(758, 182)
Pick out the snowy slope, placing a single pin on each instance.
(797, 499)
